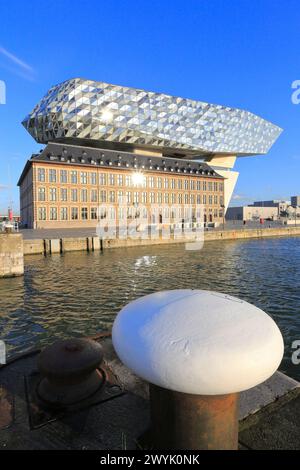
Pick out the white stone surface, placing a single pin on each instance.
(198, 342)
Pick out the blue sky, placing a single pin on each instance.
(241, 53)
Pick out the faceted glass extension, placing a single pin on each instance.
(82, 110)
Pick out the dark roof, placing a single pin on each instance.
(93, 157)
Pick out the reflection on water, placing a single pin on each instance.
(80, 293)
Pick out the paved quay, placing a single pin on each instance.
(269, 413)
(31, 234)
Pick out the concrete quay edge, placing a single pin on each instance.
(93, 243)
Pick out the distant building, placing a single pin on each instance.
(5, 217)
(70, 186)
(273, 209)
(251, 213)
(295, 201)
(281, 205)
(106, 143)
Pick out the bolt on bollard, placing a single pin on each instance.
(197, 349)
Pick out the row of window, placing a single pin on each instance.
(94, 213)
(64, 213)
(111, 179)
(126, 197)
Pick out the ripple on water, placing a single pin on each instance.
(80, 293)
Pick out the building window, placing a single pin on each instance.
(221, 186)
(74, 177)
(215, 186)
(83, 177)
(83, 195)
(102, 196)
(41, 176)
(179, 184)
(159, 198)
(215, 199)
(186, 184)
(204, 186)
(198, 199)
(186, 198)
(210, 186)
(111, 179)
(209, 200)
(74, 213)
(63, 176)
(173, 183)
(93, 178)
(121, 213)
(120, 180)
(42, 213)
(159, 183)
(173, 198)
(192, 199)
(53, 213)
(135, 197)
(204, 199)
(102, 179)
(52, 176)
(151, 182)
(94, 213)
(120, 197)
(152, 198)
(128, 197)
(74, 195)
(166, 198)
(112, 213)
(180, 198)
(192, 185)
(144, 197)
(84, 213)
(93, 195)
(53, 193)
(166, 183)
(63, 194)
(221, 201)
(198, 185)
(42, 195)
(112, 197)
(127, 180)
(63, 213)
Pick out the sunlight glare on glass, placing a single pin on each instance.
(106, 115)
(137, 179)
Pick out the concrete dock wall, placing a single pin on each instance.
(11, 255)
(63, 245)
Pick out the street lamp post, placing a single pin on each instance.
(295, 207)
(223, 212)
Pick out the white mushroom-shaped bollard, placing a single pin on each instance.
(197, 349)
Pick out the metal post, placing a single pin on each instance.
(223, 212)
(194, 422)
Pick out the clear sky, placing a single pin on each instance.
(241, 53)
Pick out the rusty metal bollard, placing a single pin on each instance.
(198, 350)
(70, 371)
